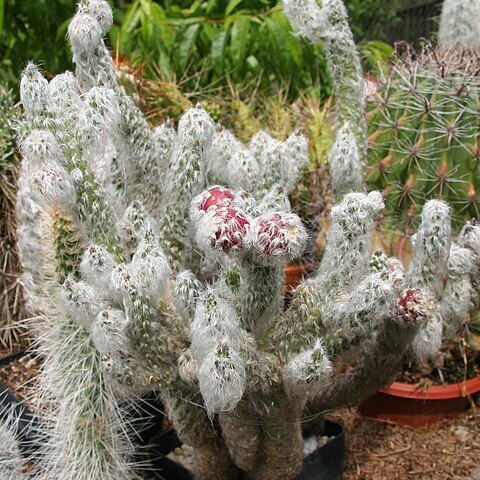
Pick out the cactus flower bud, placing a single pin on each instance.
(279, 235)
(216, 197)
(410, 305)
(231, 229)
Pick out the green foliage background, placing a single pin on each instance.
(201, 43)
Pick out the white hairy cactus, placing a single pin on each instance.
(429, 264)
(459, 24)
(328, 22)
(11, 461)
(306, 373)
(152, 279)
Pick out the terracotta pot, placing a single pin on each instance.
(294, 274)
(410, 405)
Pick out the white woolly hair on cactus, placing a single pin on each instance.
(459, 24)
(97, 265)
(243, 170)
(224, 146)
(278, 236)
(85, 33)
(99, 112)
(109, 331)
(306, 373)
(221, 378)
(271, 156)
(186, 291)
(430, 252)
(35, 96)
(53, 186)
(347, 253)
(344, 162)
(215, 320)
(39, 146)
(428, 341)
(81, 301)
(469, 237)
(98, 9)
(216, 340)
(329, 23)
(362, 310)
(151, 269)
(456, 299)
(94, 65)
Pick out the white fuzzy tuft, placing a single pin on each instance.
(81, 301)
(429, 264)
(100, 10)
(53, 187)
(221, 378)
(39, 147)
(109, 332)
(151, 269)
(96, 267)
(186, 291)
(85, 33)
(307, 372)
(34, 95)
(344, 162)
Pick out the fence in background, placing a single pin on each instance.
(418, 19)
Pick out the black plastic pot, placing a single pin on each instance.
(12, 357)
(326, 463)
(11, 408)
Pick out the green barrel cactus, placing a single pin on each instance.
(423, 126)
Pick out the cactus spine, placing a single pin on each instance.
(423, 135)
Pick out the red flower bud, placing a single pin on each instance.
(231, 232)
(409, 305)
(217, 197)
(279, 235)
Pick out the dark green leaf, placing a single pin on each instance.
(231, 6)
(240, 40)
(218, 52)
(2, 13)
(186, 47)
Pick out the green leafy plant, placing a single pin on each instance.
(23, 28)
(206, 43)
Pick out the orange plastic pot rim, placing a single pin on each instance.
(435, 392)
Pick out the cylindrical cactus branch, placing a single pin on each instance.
(11, 460)
(328, 22)
(459, 24)
(381, 354)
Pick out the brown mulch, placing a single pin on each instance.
(19, 375)
(448, 450)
